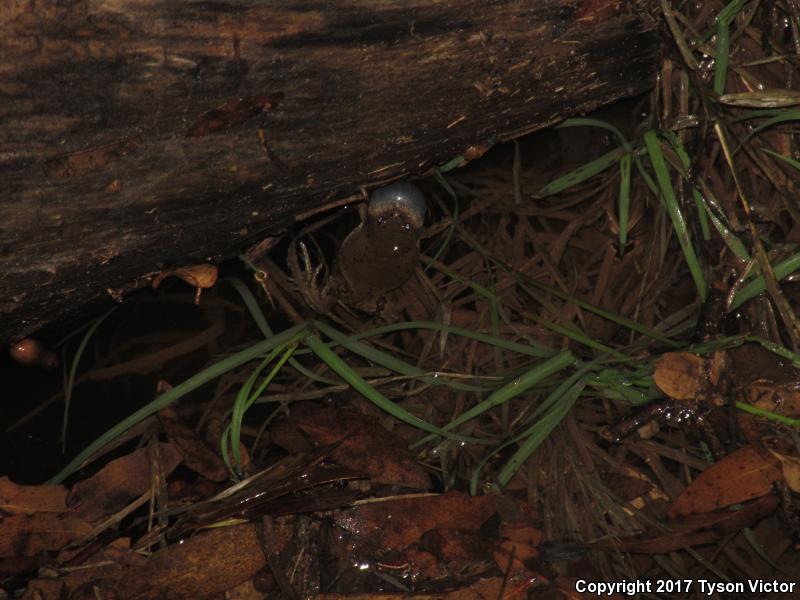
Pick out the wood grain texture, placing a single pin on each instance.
(129, 129)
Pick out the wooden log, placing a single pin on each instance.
(141, 134)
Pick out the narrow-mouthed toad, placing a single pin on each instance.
(382, 253)
(377, 257)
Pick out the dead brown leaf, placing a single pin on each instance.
(743, 475)
(203, 276)
(197, 456)
(28, 535)
(681, 375)
(400, 521)
(106, 563)
(119, 482)
(11, 566)
(44, 589)
(244, 591)
(201, 567)
(453, 546)
(695, 530)
(791, 470)
(28, 499)
(366, 446)
(627, 487)
(521, 551)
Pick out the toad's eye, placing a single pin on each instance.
(407, 226)
(402, 199)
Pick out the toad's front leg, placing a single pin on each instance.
(318, 292)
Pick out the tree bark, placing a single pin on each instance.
(141, 134)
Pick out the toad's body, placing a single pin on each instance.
(382, 253)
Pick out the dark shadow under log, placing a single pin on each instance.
(141, 134)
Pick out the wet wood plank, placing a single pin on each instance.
(132, 131)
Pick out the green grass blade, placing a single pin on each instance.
(779, 116)
(247, 397)
(540, 431)
(758, 114)
(555, 396)
(636, 388)
(170, 396)
(731, 10)
(261, 322)
(789, 161)
(620, 320)
(442, 180)
(531, 349)
(583, 122)
(453, 163)
(453, 217)
(582, 173)
(483, 291)
(70, 383)
(760, 412)
(737, 340)
(711, 207)
(224, 449)
(731, 240)
(777, 349)
(699, 201)
(580, 337)
(386, 360)
(601, 312)
(722, 58)
(341, 368)
(233, 431)
(624, 198)
(252, 306)
(645, 175)
(512, 389)
(782, 270)
(674, 211)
